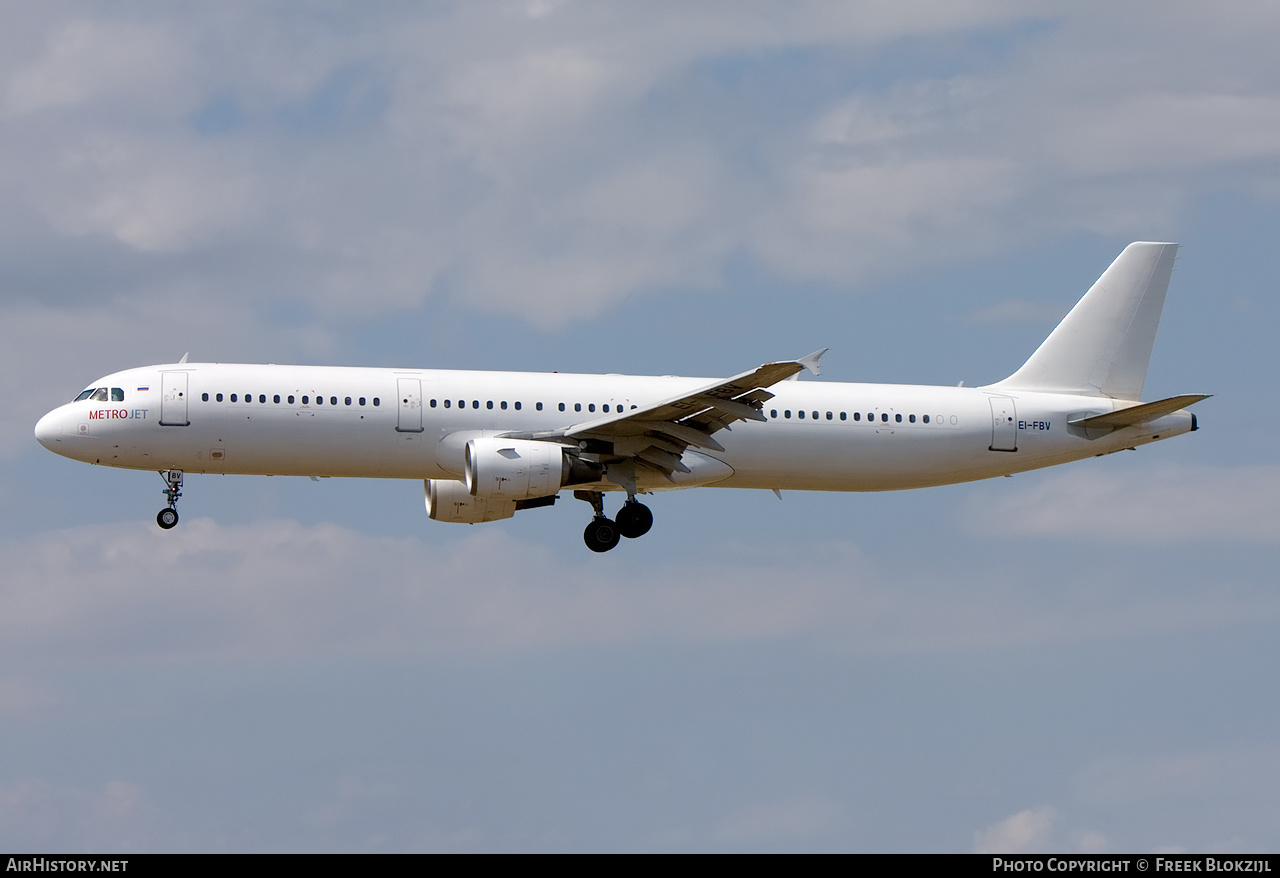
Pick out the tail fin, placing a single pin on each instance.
(1103, 346)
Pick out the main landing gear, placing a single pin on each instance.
(168, 516)
(601, 535)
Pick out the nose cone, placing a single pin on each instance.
(49, 430)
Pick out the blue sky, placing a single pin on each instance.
(1078, 659)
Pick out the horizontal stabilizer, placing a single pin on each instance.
(1138, 414)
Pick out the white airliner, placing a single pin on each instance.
(488, 444)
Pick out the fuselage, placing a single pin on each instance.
(414, 424)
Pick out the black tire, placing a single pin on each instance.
(167, 518)
(634, 520)
(601, 535)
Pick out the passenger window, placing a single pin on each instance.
(885, 416)
(898, 418)
(577, 406)
(857, 416)
(376, 401)
(503, 405)
(233, 397)
(925, 418)
(346, 400)
(829, 416)
(475, 403)
(912, 418)
(433, 402)
(561, 406)
(276, 399)
(786, 413)
(306, 400)
(333, 400)
(800, 415)
(218, 397)
(489, 405)
(844, 416)
(291, 399)
(518, 406)
(319, 400)
(446, 403)
(537, 406)
(773, 413)
(591, 407)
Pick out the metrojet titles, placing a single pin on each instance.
(118, 414)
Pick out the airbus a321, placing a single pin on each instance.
(490, 444)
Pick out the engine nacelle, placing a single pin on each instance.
(523, 469)
(450, 501)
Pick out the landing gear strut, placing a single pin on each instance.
(601, 535)
(168, 516)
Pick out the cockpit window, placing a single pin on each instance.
(84, 394)
(117, 394)
(99, 395)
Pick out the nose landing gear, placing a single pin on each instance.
(601, 535)
(168, 517)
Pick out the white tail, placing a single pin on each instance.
(1103, 346)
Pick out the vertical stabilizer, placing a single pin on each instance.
(1103, 346)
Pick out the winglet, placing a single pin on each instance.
(810, 362)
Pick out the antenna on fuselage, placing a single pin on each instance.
(184, 358)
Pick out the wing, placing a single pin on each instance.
(655, 436)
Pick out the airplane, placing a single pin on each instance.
(490, 444)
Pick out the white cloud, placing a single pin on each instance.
(529, 160)
(1027, 832)
(89, 59)
(1159, 505)
(276, 588)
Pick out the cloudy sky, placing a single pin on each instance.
(1082, 659)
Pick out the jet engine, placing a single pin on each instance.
(523, 469)
(450, 501)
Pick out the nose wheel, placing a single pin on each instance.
(168, 517)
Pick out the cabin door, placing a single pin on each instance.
(409, 403)
(1004, 424)
(173, 399)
